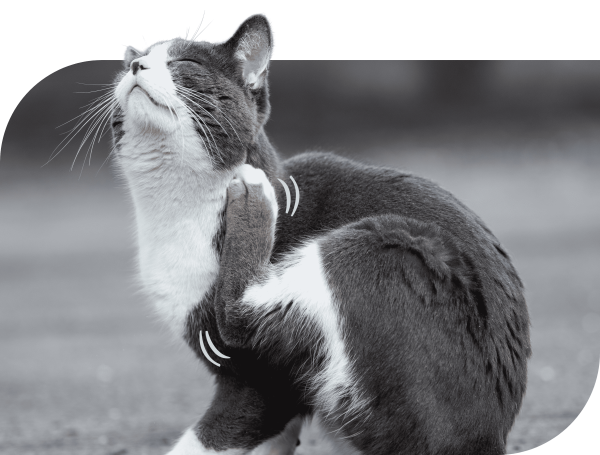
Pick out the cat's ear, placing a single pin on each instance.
(130, 55)
(252, 45)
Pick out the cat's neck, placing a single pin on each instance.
(179, 200)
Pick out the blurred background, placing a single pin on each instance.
(86, 368)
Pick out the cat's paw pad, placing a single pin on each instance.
(251, 176)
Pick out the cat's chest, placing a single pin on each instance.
(179, 262)
(178, 216)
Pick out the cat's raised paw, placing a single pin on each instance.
(254, 177)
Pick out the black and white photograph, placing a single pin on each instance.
(208, 247)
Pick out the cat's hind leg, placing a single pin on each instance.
(377, 322)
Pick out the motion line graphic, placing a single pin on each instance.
(212, 346)
(288, 196)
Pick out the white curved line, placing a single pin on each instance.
(297, 196)
(287, 195)
(212, 346)
(206, 353)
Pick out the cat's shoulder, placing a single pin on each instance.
(322, 162)
(331, 167)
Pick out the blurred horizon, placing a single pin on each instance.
(342, 105)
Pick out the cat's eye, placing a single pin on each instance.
(186, 60)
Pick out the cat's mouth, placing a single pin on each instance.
(140, 88)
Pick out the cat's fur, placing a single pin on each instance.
(384, 305)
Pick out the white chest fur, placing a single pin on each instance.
(178, 197)
(178, 200)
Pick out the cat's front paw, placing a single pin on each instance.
(251, 180)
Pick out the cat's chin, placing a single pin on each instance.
(146, 113)
(139, 91)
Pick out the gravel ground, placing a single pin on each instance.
(86, 369)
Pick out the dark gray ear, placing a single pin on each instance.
(252, 45)
(130, 55)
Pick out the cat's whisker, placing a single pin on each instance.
(102, 122)
(201, 107)
(96, 91)
(100, 130)
(91, 114)
(198, 105)
(104, 87)
(200, 122)
(98, 119)
(91, 143)
(197, 117)
(100, 100)
(194, 95)
(196, 34)
(90, 148)
(103, 97)
(104, 130)
(200, 98)
(112, 150)
(100, 115)
(113, 84)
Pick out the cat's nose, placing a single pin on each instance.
(137, 65)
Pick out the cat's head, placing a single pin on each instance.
(219, 92)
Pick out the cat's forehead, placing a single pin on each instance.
(177, 48)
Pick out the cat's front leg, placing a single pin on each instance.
(249, 237)
(246, 417)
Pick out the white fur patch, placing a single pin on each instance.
(301, 278)
(148, 97)
(189, 444)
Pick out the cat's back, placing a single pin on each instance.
(335, 191)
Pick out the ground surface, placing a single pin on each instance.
(85, 369)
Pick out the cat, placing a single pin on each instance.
(383, 306)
